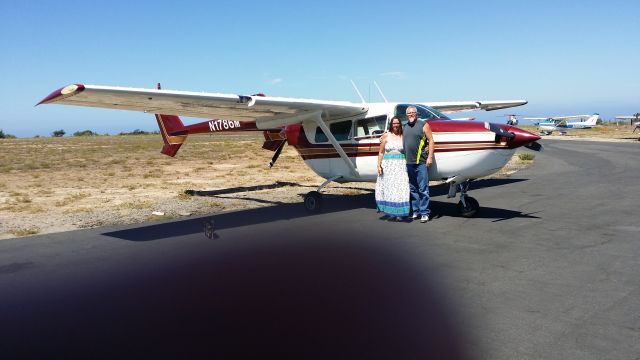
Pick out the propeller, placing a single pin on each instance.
(498, 130)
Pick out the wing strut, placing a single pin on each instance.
(317, 117)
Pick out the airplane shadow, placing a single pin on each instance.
(239, 189)
(286, 211)
(278, 211)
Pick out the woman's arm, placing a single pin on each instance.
(383, 141)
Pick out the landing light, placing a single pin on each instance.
(69, 89)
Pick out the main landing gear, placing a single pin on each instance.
(313, 199)
(467, 206)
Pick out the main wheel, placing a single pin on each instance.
(471, 207)
(313, 202)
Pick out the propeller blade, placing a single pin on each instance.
(535, 146)
(277, 154)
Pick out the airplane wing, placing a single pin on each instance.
(626, 117)
(266, 111)
(570, 117)
(460, 106)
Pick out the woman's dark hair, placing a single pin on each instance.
(391, 125)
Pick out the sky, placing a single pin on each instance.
(564, 57)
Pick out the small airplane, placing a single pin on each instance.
(338, 140)
(635, 117)
(513, 119)
(560, 124)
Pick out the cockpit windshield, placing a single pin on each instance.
(424, 113)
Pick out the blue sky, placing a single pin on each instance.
(564, 57)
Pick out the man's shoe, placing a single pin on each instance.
(424, 218)
(415, 216)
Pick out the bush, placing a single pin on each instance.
(139, 132)
(6, 136)
(85, 133)
(526, 156)
(134, 132)
(58, 133)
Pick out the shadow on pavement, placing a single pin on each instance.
(280, 211)
(285, 211)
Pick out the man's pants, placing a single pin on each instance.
(419, 188)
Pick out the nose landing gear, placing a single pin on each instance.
(467, 206)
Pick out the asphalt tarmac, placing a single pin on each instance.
(549, 269)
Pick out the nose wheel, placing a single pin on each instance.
(467, 206)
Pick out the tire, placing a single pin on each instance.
(313, 202)
(471, 209)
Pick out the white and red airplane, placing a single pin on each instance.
(338, 140)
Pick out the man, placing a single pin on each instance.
(418, 159)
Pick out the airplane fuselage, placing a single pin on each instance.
(462, 150)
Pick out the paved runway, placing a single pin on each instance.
(549, 269)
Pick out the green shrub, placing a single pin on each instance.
(526, 156)
(85, 133)
(3, 135)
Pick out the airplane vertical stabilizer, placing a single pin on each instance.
(173, 133)
(593, 120)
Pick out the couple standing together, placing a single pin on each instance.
(405, 153)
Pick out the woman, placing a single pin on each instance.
(392, 187)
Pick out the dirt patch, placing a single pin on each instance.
(58, 184)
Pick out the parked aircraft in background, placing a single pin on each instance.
(632, 118)
(559, 123)
(513, 119)
(338, 140)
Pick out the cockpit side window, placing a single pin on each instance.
(370, 126)
(424, 113)
(340, 130)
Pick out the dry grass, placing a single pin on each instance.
(78, 182)
(24, 231)
(71, 199)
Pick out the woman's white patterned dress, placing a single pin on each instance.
(392, 187)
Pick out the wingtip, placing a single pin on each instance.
(62, 93)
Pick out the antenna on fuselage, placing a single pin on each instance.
(380, 91)
(358, 91)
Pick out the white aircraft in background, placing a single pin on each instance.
(338, 140)
(513, 119)
(559, 123)
(632, 118)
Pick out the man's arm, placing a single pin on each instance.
(427, 132)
